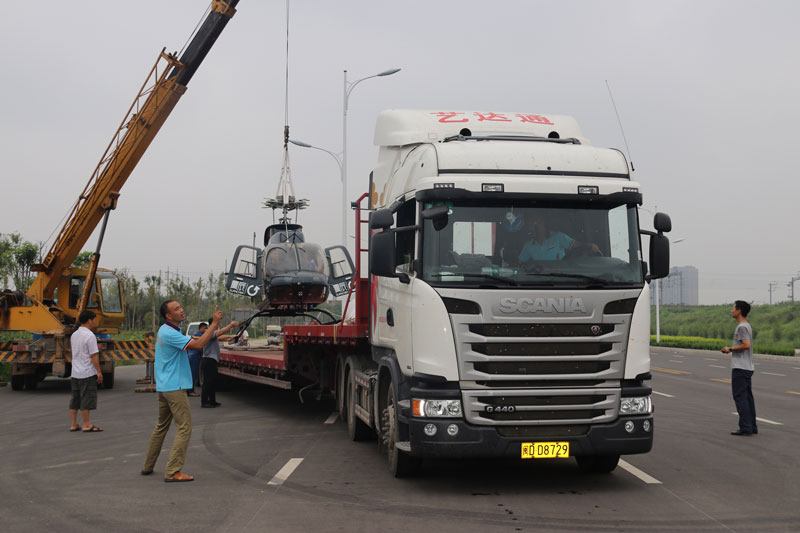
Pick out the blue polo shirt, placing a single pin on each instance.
(552, 248)
(172, 363)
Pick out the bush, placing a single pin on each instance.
(701, 343)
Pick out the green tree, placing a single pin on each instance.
(83, 259)
(17, 256)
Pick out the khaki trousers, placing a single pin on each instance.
(172, 404)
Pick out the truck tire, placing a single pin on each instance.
(356, 428)
(31, 381)
(597, 464)
(341, 403)
(108, 379)
(17, 382)
(401, 464)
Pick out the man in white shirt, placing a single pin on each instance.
(86, 373)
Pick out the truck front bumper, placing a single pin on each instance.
(485, 441)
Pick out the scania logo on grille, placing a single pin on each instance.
(595, 330)
(542, 305)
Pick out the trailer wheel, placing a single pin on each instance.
(17, 382)
(597, 464)
(341, 403)
(401, 464)
(108, 379)
(31, 381)
(356, 428)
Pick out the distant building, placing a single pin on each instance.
(681, 287)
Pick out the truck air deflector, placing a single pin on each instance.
(456, 194)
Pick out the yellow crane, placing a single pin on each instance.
(60, 292)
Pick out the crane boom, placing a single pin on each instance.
(163, 87)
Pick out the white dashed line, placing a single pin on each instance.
(638, 473)
(331, 419)
(663, 394)
(674, 361)
(718, 366)
(771, 374)
(710, 359)
(765, 420)
(284, 473)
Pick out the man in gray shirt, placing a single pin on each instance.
(742, 370)
(208, 366)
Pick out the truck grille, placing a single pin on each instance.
(542, 374)
(551, 407)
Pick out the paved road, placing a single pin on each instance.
(266, 462)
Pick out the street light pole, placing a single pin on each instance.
(348, 88)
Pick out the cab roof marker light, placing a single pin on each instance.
(630, 189)
(588, 189)
(444, 185)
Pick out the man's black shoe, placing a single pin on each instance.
(207, 405)
(740, 433)
(215, 404)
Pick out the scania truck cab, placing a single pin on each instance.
(510, 302)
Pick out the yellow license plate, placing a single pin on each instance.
(545, 450)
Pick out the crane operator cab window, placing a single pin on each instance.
(110, 294)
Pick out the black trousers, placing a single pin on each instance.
(208, 394)
(741, 385)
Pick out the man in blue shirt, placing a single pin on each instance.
(546, 245)
(173, 377)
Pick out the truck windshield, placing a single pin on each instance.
(521, 245)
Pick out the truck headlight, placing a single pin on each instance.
(640, 405)
(437, 408)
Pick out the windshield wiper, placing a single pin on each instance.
(510, 281)
(570, 275)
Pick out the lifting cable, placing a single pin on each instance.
(287, 194)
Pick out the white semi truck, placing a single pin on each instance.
(509, 309)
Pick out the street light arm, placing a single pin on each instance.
(335, 156)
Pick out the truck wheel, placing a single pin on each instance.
(401, 464)
(31, 381)
(597, 464)
(341, 403)
(17, 382)
(108, 379)
(356, 428)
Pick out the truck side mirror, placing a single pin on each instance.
(659, 256)
(382, 254)
(381, 219)
(662, 223)
(438, 215)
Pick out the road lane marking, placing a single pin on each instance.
(284, 473)
(718, 366)
(663, 394)
(772, 374)
(793, 392)
(638, 473)
(721, 380)
(331, 419)
(710, 359)
(675, 361)
(668, 370)
(765, 420)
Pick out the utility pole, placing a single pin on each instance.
(791, 285)
(772, 286)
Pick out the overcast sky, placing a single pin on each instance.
(707, 92)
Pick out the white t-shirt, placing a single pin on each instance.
(84, 344)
